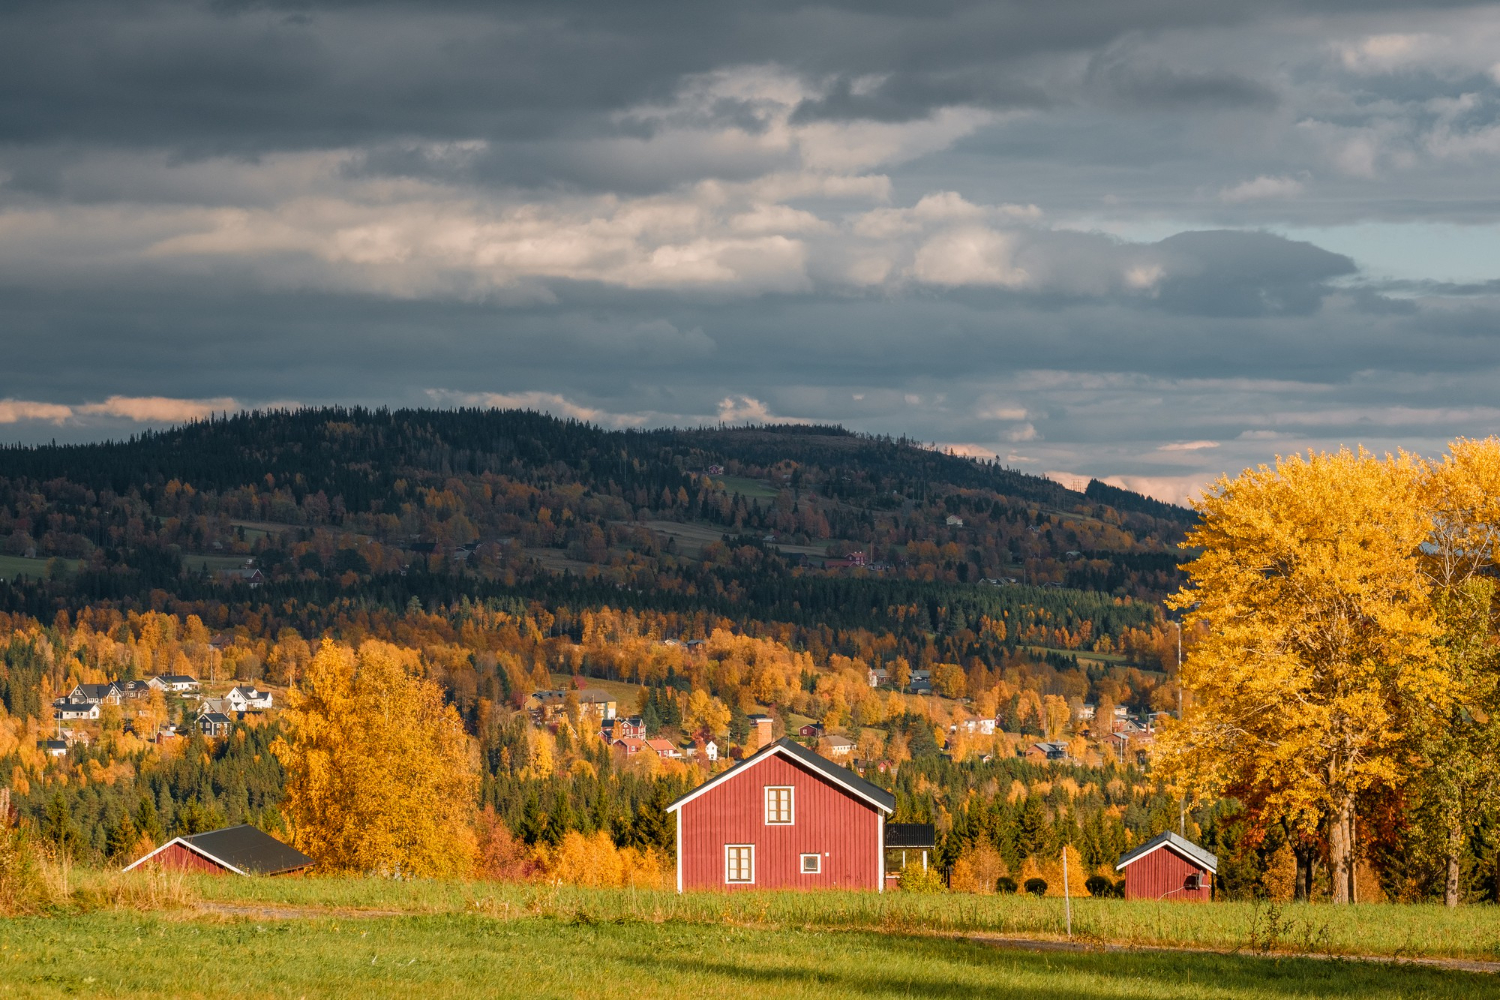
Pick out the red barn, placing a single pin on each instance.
(783, 818)
(235, 850)
(1169, 867)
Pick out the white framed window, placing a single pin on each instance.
(739, 863)
(812, 864)
(778, 805)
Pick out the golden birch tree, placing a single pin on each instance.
(379, 775)
(1458, 779)
(1318, 646)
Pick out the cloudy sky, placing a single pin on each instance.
(1144, 240)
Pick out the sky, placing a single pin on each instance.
(1149, 241)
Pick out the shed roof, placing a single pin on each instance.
(1180, 846)
(909, 835)
(242, 849)
(815, 762)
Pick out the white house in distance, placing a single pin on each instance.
(174, 683)
(246, 699)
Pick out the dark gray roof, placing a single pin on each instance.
(1180, 845)
(910, 835)
(248, 849)
(215, 717)
(813, 761)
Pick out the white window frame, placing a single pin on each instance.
(791, 805)
(816, 869)
(739, 847)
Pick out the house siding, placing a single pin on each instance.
(827, 820)
(177, 856)
(1161, 872)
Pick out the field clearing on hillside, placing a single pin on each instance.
(14, 566)
(1412, 931)
(121, 954)
(691, 536)
(213, 564)
(750, 489)
(626, 694)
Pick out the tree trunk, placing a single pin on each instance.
(1341, 852)
(1455, 846)
(1302, 886)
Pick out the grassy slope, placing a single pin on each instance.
(455, 955)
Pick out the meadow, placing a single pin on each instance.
(123, 954)
(154, 933)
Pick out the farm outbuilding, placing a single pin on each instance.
(1169, 867)
(783, 818)
(235, 850)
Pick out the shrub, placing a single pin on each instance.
(1098, 885)
(1036, 886)
(977, 869)
(1005, 884)
(24, 885)
(595, 861)
(915, 878)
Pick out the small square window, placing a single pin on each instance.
(739, 862)
(778, 806)
(812, 864)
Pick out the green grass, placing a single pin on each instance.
(213, 563)
(625, 694)
(14, 566)
(1367, 929)
(120, 954)
(750, 489)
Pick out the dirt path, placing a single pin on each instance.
(287, 911)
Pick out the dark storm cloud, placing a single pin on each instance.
(1038, 229)
(266, 75)
(1232, 273)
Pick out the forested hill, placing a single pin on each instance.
(359, 454)
(799, 525)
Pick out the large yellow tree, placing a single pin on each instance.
(1457, 779)
(379, 774)
(1319, 642)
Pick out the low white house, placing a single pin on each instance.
(175, 683)
(72, 710)
(246, 699)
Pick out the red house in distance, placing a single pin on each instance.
(1169, 867)
(783, 818)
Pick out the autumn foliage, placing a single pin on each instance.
(379, 775)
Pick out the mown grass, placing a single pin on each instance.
(1367, 929)
(456, 956)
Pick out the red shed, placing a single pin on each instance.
(1169, 867)
(783, 818)
(236, 850)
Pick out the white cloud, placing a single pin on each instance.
(1188, 446)
(543, 402)
(969, 255)
(138, 409)
(1262, 187)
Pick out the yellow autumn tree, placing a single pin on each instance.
(1319, 640)
(379, 778)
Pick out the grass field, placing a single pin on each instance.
(167, 934)
(750, 489)
(14, 566)
(1368, 929)
(118, 954)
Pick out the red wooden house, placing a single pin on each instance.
(235, 850)
(783, 818)
(1169, 867)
